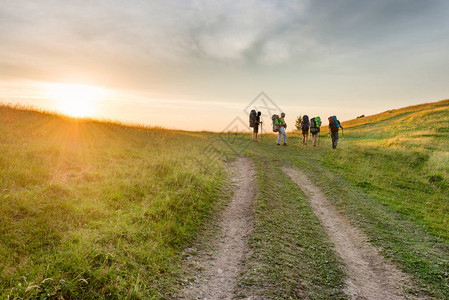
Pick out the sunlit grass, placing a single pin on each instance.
(101, 210)
(422, 128)
(96, 209)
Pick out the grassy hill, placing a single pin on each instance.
(421, 127)
(407, 150)
(94, 209)
(97, 209)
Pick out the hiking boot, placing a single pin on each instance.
(285, 144)
(279, 144)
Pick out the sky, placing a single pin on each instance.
(197, 65)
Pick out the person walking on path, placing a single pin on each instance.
(334, 126)
(305, 125)
(256, 126)
(315, 124)
(282, 126)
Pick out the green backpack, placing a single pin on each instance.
(315, 124)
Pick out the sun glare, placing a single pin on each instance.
(75, 100)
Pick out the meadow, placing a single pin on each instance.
(99, 210)
(402, 156)
(96, 209)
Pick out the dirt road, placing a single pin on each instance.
(218, 279)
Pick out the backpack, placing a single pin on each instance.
(332, 124)
(305, 124)
(336, 121)
(275, 127)
(315, 124)
(252, 118)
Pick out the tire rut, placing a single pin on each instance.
(221, 269)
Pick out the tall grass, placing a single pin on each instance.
(96, 209)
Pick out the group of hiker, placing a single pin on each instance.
(303, 124)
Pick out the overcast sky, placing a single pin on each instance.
(197, 64)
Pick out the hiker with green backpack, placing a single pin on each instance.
(279, 125)
(334, 125)
(315, 124)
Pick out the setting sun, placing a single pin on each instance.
(75, 100)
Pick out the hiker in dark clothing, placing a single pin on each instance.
(305, 125)
(334, 125)
(315, 124)
(256, 126)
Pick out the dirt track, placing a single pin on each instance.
(221, 269)
(369, 276)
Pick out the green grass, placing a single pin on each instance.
(403, 161)
(98, 210)
(292, 256)
(401, 238)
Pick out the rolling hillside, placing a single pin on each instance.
(101, 210)
(405, 149)
(94, 209)
(421, 127)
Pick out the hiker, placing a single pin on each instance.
(315, 124)
(305, 124)
(252, 123)
(334, 125)
(256, 126)
(280, 123)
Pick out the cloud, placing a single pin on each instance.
(236, 31)
(221, 30)
(172, 44)
(173, 31)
